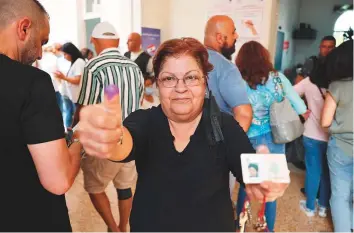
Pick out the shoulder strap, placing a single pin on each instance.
(278, 83)
(213, 120)
(323, 96)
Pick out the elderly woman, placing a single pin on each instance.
(184, 149)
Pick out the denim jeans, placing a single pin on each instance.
(317, 174)
(271, 207)
(341, 174)
(68, 111)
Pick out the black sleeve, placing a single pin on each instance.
(41, 118)
(137, 125)
(237, 143)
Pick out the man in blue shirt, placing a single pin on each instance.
(225, 80)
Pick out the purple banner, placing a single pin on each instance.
(151, 39)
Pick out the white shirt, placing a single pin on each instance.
(149, 67)
(72, 90)
(48, 63)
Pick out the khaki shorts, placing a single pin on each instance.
(99, 172)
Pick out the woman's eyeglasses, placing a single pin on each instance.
(189, 80)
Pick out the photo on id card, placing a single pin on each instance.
(257, 168)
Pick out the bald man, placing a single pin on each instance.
(37, 167)
(225, 81)
(139, 56)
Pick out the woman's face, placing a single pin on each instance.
(182, 103)
(67, 57)
(253, 172)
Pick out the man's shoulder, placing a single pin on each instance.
(22, 71)
(220, 63)
(219, 58)
(115, 59)
(145, 54)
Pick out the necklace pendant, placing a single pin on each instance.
(261, 224)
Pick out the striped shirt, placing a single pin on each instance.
(110, 67)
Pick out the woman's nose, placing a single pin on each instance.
(180, 86)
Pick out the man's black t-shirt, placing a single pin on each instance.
(186, 191)
(29, 115)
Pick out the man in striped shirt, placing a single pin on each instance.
(110, 67)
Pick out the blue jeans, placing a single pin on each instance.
(317, 174)
(341, 174)
(271, 207)
(59, 100)
(68, 111)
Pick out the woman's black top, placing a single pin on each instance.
(186, 191)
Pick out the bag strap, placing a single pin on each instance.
(278, 83)
(323, 96)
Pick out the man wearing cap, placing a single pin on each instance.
(110, 67)
(139, 56)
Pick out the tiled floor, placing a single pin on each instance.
(84, 218)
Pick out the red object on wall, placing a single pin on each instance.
(286, 45)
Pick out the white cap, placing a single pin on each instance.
(105, 30)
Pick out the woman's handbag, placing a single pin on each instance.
(284, 121)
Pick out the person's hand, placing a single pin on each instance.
(250, 25)
(269, 191)
(306, 115)
(100, 126)
(59, 74)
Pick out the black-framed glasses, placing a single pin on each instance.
(190, 80)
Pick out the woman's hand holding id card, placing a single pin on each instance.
(259, 168)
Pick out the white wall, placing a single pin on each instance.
(318, 13)
(156, 14)
(63, 21)
(288, 21)
(187, 18)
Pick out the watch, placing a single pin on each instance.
(71, 140)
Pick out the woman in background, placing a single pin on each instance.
(264, 87)
(87, 54)
(150, 98)
(70, 86)
(315, 140)
(337, 115)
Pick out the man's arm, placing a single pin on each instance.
(56, 166)
(43, 132)
(243, 115)
(233, 91)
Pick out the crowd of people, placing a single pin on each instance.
(167, 130)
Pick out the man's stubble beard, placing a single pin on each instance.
(29, 52)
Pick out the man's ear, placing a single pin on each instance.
(23, 27)
(219, 38)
